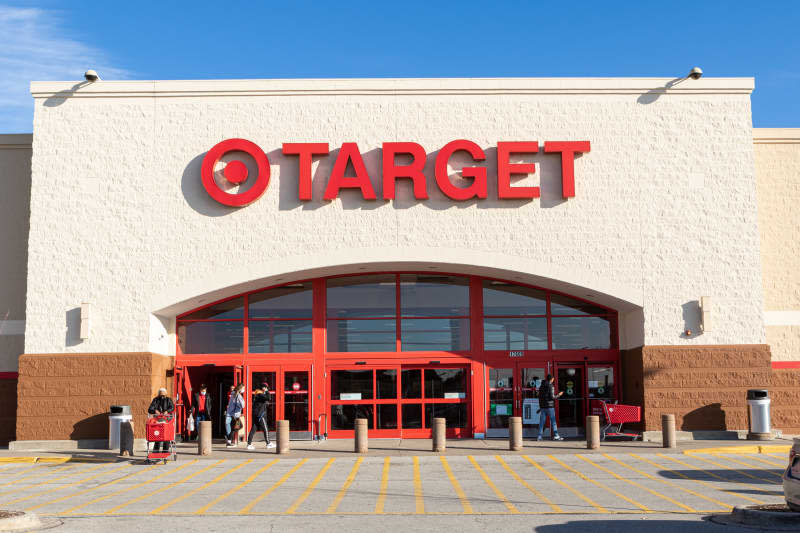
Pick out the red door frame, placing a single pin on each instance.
(280, 392)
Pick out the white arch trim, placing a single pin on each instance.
(229, 282)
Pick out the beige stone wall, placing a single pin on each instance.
(15, 193)
(777, 158)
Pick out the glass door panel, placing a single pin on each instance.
(571, 403)
(268, 378)
(501, 401)
(530, 380)
(295, 399)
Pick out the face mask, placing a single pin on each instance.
(202, 393)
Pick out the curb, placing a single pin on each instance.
(770, 448)
(55, 460)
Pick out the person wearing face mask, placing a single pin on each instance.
(201, 407)
(233, 414)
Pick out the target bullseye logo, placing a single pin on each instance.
(235, 172)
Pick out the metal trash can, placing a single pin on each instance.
(116, 416)
(758, 414)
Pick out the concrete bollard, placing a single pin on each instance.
(515, 433)
(282, 437)
(592, 432)
(360, 440)
(668, 430)
(204, 437)
(439, 435)
(126, 438)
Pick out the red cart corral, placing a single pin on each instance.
(161, 428)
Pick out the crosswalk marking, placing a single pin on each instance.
(419, 502)
(345, 486)
(247, 481)
(281, 481)
(292, 508)
(601, 485)
(525, 484)
(762, 460)
(711, 474)
(456, 486)
(745, 474)
(84, 491)
(492, 486)
(384, 485)
(749, 465)
(597, 506)
(201, 487)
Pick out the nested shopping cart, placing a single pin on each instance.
(614, 416)
(161, 428)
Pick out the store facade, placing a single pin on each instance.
(393, 249)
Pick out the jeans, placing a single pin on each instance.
(258, 425)
(544, 412)
(228, 432)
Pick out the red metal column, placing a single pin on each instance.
(318, 387)
(478, 380)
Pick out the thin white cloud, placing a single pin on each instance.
(35, 48)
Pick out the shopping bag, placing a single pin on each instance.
(190, 423)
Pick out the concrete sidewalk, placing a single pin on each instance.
(411, 447)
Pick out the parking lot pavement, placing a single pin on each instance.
(634, 483)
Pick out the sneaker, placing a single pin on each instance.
(558, 437)
(251, 447)
(539, 438)
(271, 445)
(227, 442)
(230, 445)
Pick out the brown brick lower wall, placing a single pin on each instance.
(8, 409)
(705, 387)
(67, 396)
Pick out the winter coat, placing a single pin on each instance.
(162, 404)
(547, 397)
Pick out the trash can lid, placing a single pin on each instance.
(120, 409)
(757, 394)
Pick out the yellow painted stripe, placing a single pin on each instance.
(247, 481)
(712, 474)
(668, 483)
(345, 486)
(84, 491)
(274, 486)
(384, 485)
(638, 485)
(419, 501)
(525, 484)
(745, 474)
(201, 487)
(306, 493)
(760, 459)
(61, 487)
(723, 449)
(126, 489)
(577, 493)
(497, 492)
(456, 486)
(18, 459)
(601, 485)
(775, 448)
(38, 471)
(165, 487)
(757, 467)
(17, 490)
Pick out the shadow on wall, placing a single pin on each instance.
(73, 329)
(653, 94)
(707, 418)
(286, 180)
(61, 96)
(692, 318)
(94, 427)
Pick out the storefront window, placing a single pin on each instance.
(386, 381)
(434, 334)
(362, 336)
(455, 414)
(229, 309)
(600, 381)
(423, 295)
(280, 336)
(449, 383)
(578, 333)
(412, 415)
(290, 301)
(221, 336)
(411, 383)
(518, 333)
(343, 416)
(564, 305)
(351, 385)
(362, 297)
(504, 299)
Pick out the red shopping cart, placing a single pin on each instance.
(614, 416)
(161, 428)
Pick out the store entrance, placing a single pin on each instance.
(513, 391)
(290, 396)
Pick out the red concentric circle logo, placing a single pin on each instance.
(235, 172)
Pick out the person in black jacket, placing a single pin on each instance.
(260, 404)
(547, 407)
(201, 407)
(161, 405)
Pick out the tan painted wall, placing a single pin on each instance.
(777, 158)
(15, 191)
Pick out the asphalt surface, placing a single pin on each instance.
(523, 492)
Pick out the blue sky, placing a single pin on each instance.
(53, 40)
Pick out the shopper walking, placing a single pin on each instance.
(260, 407)
(233, 414)
(162, 405)
(547, 408)
(201, 407)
